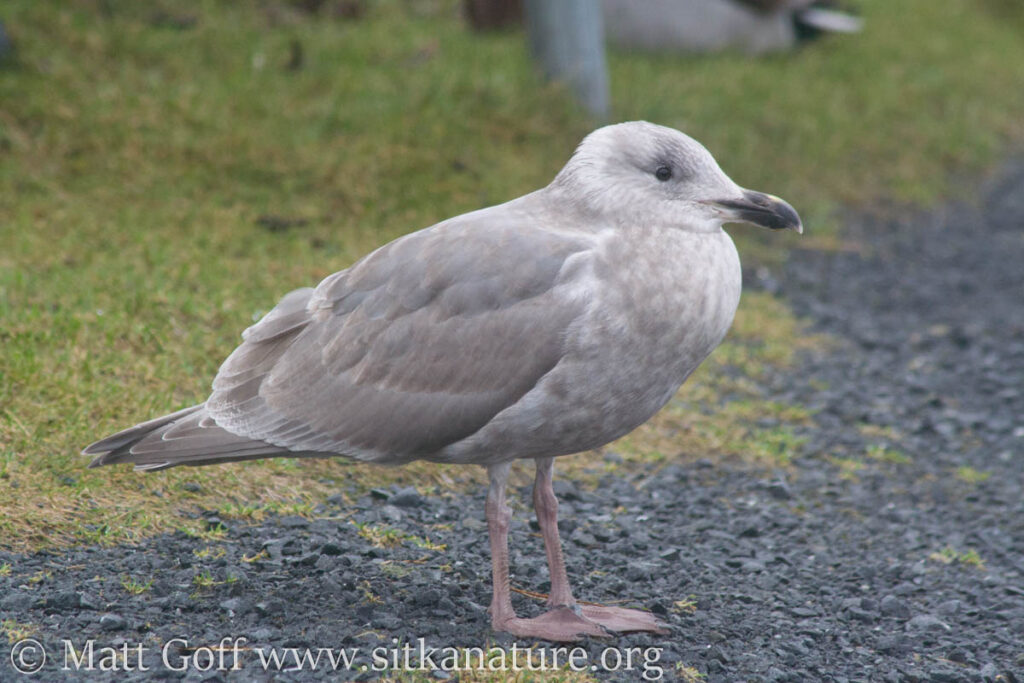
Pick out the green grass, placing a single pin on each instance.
(16, 631)
(383, 536)
(204, 581)
(134, 586)
(687, 605)
(890, 455)
(136, 161)
(949, 555)
(970, 475)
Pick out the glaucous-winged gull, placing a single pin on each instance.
(548, 325)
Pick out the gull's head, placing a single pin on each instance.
(638, 172)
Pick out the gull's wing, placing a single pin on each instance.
(415, 347)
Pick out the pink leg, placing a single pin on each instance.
(561, 624)
(546, 506)
(498, 517)
(611, 618)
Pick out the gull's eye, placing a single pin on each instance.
(663, 173)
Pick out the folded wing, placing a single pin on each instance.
(415, 347)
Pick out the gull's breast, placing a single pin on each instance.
(668, 301)
(658, 304)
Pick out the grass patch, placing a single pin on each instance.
(873, 431)
(41, 576)
(687, 605)
(217, 532)
(384, 536)
(889, 455)
(254, 513)
(765, 332)
(395, 571)
(160, 188)
(368, 595)
(689, 674)
(969, 475)
(204, 582)
(134, 586)
(209, 552)
(15, 630)
(261, 555)
(380, 536)
(849, 468)
(949, 555)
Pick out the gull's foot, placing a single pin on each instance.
(561, 624)
(622, 620)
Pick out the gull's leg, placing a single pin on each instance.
(498, 517)
(560, 624)
(546, 506)
(612, 618)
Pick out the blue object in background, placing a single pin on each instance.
(567, 38)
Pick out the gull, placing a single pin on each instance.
(751, 26)
(545, 326)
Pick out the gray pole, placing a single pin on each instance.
(567, 38)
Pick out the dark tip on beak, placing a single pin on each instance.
(762, 209)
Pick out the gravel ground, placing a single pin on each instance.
(874, 557)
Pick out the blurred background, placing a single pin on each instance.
(169, 169)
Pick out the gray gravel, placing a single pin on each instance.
(899, 571)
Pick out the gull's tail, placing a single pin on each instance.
(187, 437)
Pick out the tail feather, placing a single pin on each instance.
(187, 437)
(127, 437)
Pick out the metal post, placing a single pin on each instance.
(567, 38)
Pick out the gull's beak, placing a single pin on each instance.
(760, 209)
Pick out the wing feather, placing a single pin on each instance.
(412, 349)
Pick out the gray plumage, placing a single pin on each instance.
(545, 326)
(751, 26)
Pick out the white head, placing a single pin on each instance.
(641, 173)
